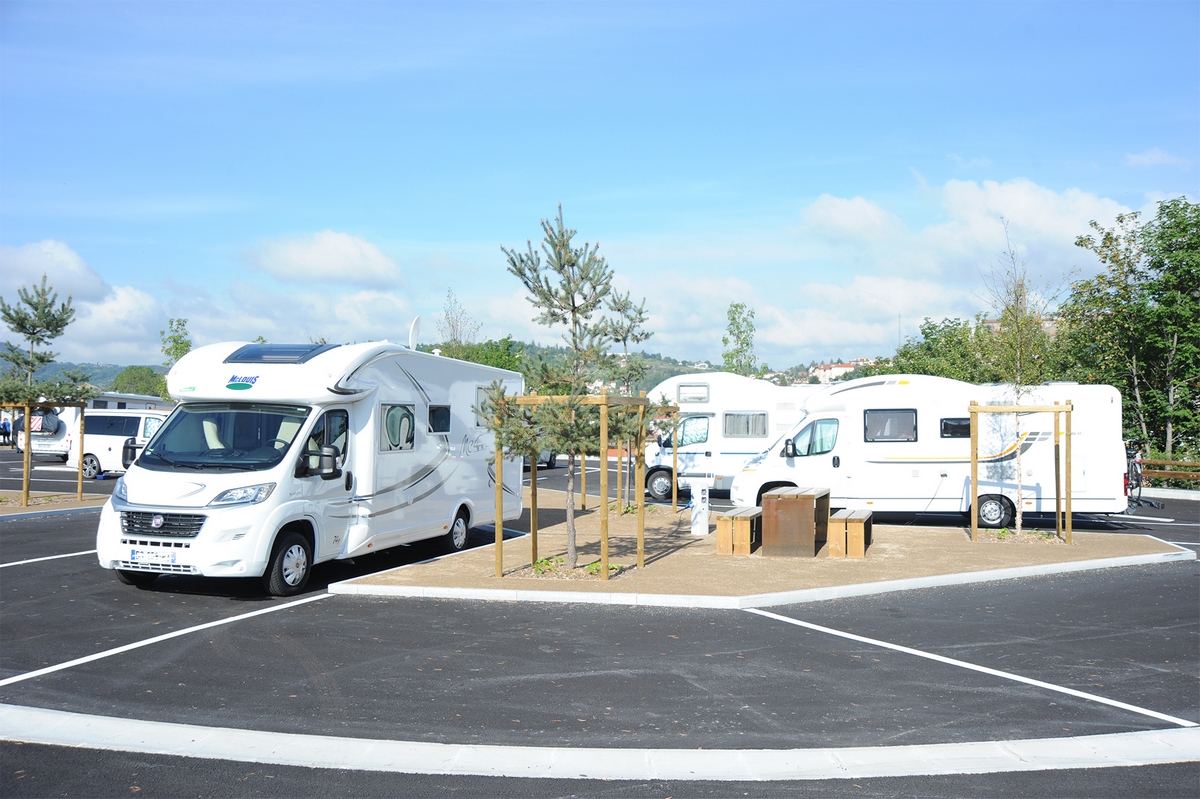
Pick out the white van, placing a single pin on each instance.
(903, 443)
(105, 434)
(279, 457)
(725, 419)
(54, 429)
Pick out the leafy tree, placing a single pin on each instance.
(503, 353)
(954, 348)
(456, 328)
(738, 341)
(1137, 324)
(139, 380)
(176, 342)
(568, 289)
(35, 319)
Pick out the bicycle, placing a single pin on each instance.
(1133, 471)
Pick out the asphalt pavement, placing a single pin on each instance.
(501, 674)
(49, 474)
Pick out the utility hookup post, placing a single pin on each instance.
(699, 485)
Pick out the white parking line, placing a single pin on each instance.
(1130, 749)
(982, 669)
(48, 557)
(29, 675)
(1148, 519)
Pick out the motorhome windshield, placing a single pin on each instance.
(224, 435)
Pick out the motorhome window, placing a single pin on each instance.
(439, 418)
(229, 435)
(956, 428)
(803, 441)
(745, 425)
(331, 430)
(824, 436)
(399, 424)
(694, 430)
(99, 404)
(278, 353)
(482, 406)
(151, 426)
(890, 425)
(692, 392)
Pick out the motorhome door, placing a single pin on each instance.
(327, 499)
(816, 458)
(695, 449)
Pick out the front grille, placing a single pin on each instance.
(162, 568)
(180, 525)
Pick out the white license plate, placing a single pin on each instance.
(151, 556)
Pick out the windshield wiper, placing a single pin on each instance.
(176, 464)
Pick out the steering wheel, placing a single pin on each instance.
(271, 442)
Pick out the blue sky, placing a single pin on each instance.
(331, 169)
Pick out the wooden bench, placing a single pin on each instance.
(849, 533)
(735, 530)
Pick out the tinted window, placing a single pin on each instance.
(890, 425)
(692, 392)
(439, 418)
(816, 438)
(745, 425)
(956, 428)
(228, 435)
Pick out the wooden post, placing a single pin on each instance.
(1058, 526)
(499, 506)
(974, 470)
(640, 492)
(603, 489)
(1068, 490)
(675, 465)
(620, 468)
(79, 480)
(583, 479)
(533, 464)
(27, 460)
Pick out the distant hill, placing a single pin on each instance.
(101, 375)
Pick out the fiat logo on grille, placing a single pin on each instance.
(157, 521)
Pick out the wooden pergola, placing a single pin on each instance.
(1059, 489)
(27, 462)
(604, 402)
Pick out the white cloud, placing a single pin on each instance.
(65, 270)
(326, 257)
(1155, 157)
(836, 218)
(121, 328)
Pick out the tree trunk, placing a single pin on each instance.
(1137, 399)
(1171, 392)
(1019, 516)
(572, 555)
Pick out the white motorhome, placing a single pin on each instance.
(280, 457)
(725, 419)
(54, 430)
(903, 443)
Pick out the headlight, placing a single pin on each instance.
(119, 490)
(251, 495)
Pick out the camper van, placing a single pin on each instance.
(54, 429)
(105, 434)
(725, 419)
(279, 457)
(903, 443)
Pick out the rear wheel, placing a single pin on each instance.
(995, 511)
(456, 538)
(659, 485)
(291, 562)
(136, 578)
(91, 466)
(551, 461)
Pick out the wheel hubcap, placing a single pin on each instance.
(660, 485)
(295, 564)
(460, 533)
(991, 512)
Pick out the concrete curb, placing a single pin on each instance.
(1171, 493)
(33, 514)
(348, 587)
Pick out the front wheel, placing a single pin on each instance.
(136, 578)
(91, 466)
(551, 461)
(995, 511)
(659, 485)
(456, 538)
(291, 562)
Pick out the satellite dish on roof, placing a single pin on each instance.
(413, 333)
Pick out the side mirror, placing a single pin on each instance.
(129, 452)
(664, 441)
(789, 449)
(327, 463)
